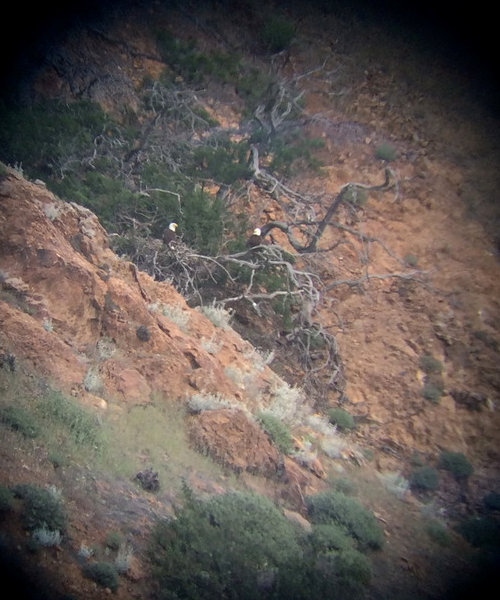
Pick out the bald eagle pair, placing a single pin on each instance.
(170, 235)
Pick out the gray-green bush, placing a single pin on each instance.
(42, 508)
(221, 547)
(335, 507)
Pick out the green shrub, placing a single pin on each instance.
(19, 419)
(456, 463)
(104, 574)
(330, 536)
(42, 508)
(338, 575)
(429, 364)
(6, 499)
(492, 501)
(277, 34)
(424, 479)
(277, 431)
(335, 507)
(50, 134)
(114, 539)
(341, 418)
(481, 531)
(411, 260)
(218, 548)
(226, 163)
(432, 391)
(57, 458)
(438, 532)
(351, 568)
(386, 152)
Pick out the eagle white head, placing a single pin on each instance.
(257, 231)
(173, 226)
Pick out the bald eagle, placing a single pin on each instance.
(255, 239)
(170, 235)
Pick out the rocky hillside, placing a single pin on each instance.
(409, 292)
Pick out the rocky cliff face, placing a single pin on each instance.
(98, 328)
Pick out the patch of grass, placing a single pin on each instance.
(19, 419)
(154, 433)
(59, 410)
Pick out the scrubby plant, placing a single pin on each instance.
(481, 531)
(218, 315)
(333, 445)
(325, 537)
(432, 391)
(411, 260)
(57, 458)
(173, 313)
(287, 403)
(46, 538)
(221, 547)
(277, 34)
(6, 500)
(123, 558)
(439, 532)
(92, 381)
(351, 568)
(143, 333)
(341, 418)
(20, 420)
(394, 482)
(386, 152)
(200, 402)
(456, 463)
(335, 507)
(277, 431)
(114, 539)
(430, 364)
(492, 501)
(424, 479)
(42, 508)
(103, 573)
